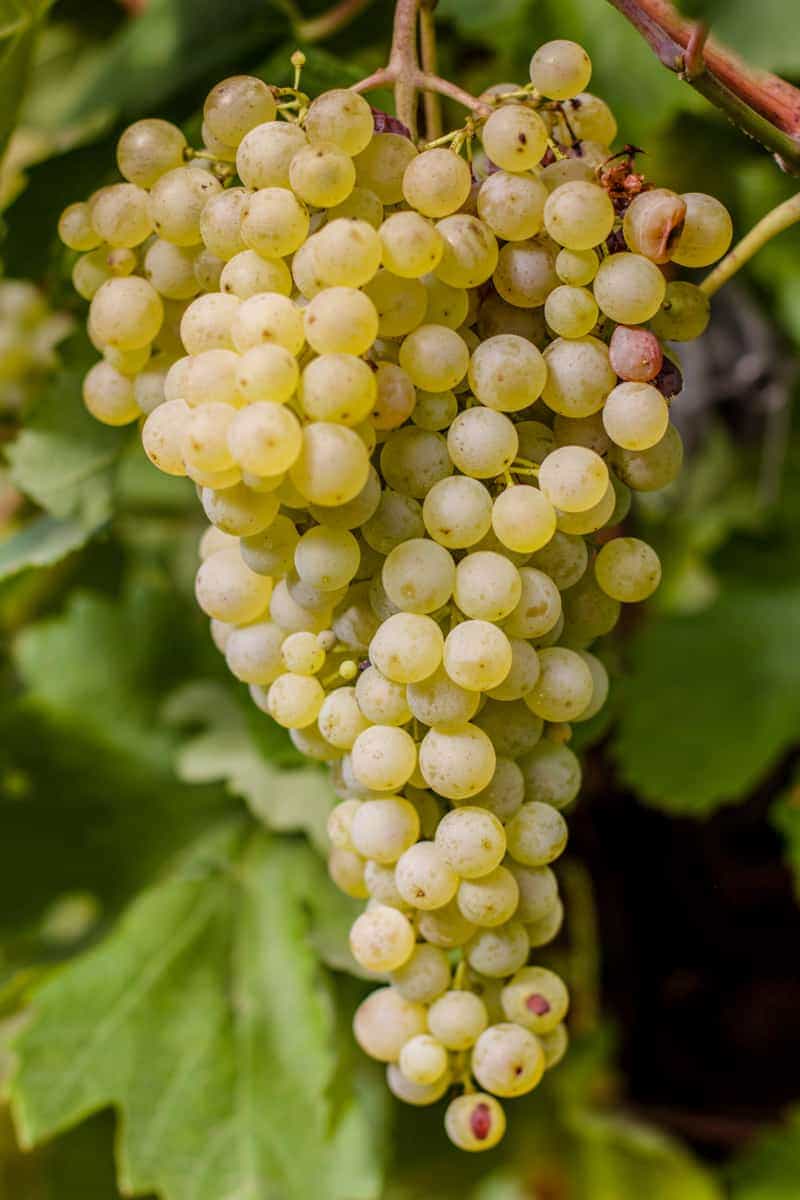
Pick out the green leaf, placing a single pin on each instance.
(169, 47)
(766, 42)
(297, 799)
(64, 459)
(712, 699)
(207, 1021)
(19, 26)
(85, 761)
(41, 543)
(770, 1169)
(616, 1158)
(248, 752)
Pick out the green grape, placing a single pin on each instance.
(125, 314)
(635, 416)
(347, 253)
(434, 411)
(706, 233)
(564, 686)
(266, 319)
(170, 270)
(591, 119)
(395, 398)
(413, 460)
(322, 175)
(109, 396)
(437, 182)
(423, 1060)
(265, 153)
(457, 762)
(514, 137)
(526, 272)
(628, 569)
(560, 69)
(236, 105)
(337, 387)
(512, 205)
(412, 245)
(435, 357)
(177, 201)
(649, 470)
(579, 376)
(523, 518)
(571, 312)
(629, 288)
(220, 223)
(147, 150)
(274, 222)
(400, 303)
(227, 589)
(589, 520)
(477, 655)
(382, 938)
(418, 576)
(360, 205)
(407, 648)
(332, 466)
(470, 251)
(573, 478)
(684, 312)
(482, 443)
(507, 373)
(381, 165)
(446, 305)
(539, 607)
(564, 558)
(342, 117)
(577, 267)
(579, 215)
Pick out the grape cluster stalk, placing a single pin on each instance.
(415, 388)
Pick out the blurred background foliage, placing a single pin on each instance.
(135, 778)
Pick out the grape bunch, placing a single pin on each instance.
(29, 334)
(414, 390)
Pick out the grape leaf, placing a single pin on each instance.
(288, 800)
(769, 1169)
(19, 25)
(42, 542)
(64, 459)
(284, 798)
(171, 46)
(84, 761)
(205, 1019)
(712, 699)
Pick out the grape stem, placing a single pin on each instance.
(764, 106)
(782, 217)
(404, 74)
(427, 48)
